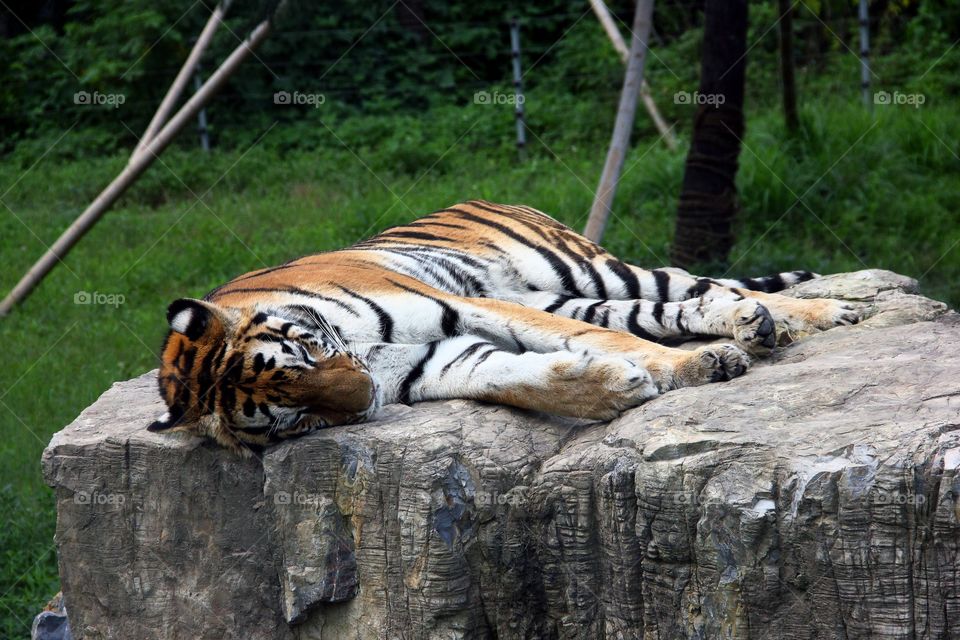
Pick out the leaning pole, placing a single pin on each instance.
(620, 141)
(140, 160)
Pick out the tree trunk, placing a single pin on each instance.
(708, 199)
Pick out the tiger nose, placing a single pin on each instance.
(346, 389)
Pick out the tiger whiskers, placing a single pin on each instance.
(328, 330)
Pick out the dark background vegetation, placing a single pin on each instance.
(399, 135)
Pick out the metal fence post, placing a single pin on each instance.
(518, 86)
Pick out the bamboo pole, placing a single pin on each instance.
(138, 164)
(616, 38)
(620, 141)
(183, 77)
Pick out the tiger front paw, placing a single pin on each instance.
(796, 318)
(712, 363)
(754, 328)
(600, 387)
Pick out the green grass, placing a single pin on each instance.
(877, 191)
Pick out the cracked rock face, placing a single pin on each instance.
(817, 496)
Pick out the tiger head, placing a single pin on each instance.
(251, 378)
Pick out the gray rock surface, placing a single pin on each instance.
(817, 496)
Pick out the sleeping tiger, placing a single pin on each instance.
(491, 302)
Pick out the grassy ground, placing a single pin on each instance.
(854, 190)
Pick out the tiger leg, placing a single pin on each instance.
(566, 383)
(532, 329)
(798, 315)
(747, 321)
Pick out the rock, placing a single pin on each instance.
(817, 496)
(51, 623)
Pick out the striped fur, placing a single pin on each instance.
(492, 302)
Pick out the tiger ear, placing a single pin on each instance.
(170, 420)
(166, 421)
(193, 318)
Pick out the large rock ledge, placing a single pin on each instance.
(815, 497)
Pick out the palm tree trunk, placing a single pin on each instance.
(708, 200)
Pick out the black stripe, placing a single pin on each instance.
(228, 399)
(224, 291)
(658, 313)
(663, 284)
(592, 311)
(431, 223)
(418, 235)
(604, 320)
(384, 319)
(472, 286)
(404, 249)
(424, 265)
(584, 265)
(559, 266)
(206, 389)
(450, 319)
(483, 359)
(559, 302)
(701, 287)
(558, 241)
(416, 373)
(634, 327)
(775, 283)
(233, 371)
(261, 272)
(466, 353)
(255, 431)
(681, 325)
(188, 356)
(265, 337)
(265, 410)
(310, 311)
(521, 348)
(629, 278)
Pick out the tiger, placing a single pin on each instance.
(489, 302)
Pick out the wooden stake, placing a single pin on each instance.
(620, 141)
(138, 164)
(183, 76)
(202, 115)
(603, 14)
